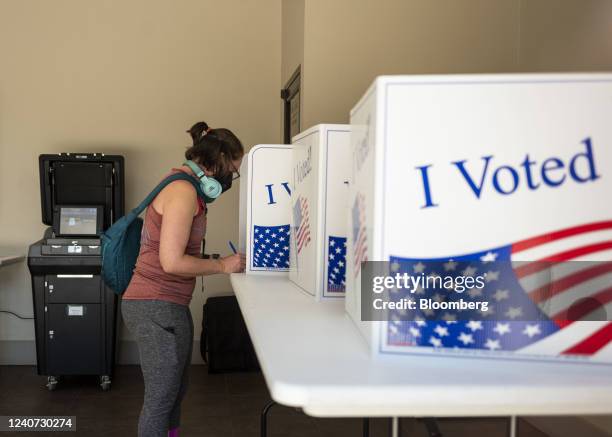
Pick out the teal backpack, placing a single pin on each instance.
(121, 242)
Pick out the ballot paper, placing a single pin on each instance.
(319, 210)
(264, 224)
(489, 175)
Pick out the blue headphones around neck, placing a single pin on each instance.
(210, 186)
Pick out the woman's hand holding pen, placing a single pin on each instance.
(233, 263)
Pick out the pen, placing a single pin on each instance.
(231, 245)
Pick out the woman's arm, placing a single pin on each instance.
(178, 207)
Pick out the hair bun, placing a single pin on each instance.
(198, 130)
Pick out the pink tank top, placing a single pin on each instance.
(149, 281)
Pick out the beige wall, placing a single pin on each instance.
(292, 43)
(349, 42)
(566, 35)
(127, 77)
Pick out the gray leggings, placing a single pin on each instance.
(164, 332)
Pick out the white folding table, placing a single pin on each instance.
(9, 259)
(6, 259)
(313, 357)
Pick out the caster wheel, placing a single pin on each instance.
(51, 383)
(105, 383)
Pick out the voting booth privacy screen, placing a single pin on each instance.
(466, 170)
(318, 212)
(265, 207)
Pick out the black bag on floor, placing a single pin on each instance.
(225, 344)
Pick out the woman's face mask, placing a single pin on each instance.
(225, 181)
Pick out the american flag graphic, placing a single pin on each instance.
(336, 265)
(360, 244)
(532, 297)
(301, 225)
(271, 247)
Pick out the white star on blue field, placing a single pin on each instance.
(271, 247)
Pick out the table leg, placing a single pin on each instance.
(395, 427)
(432, 427)
(366, 427)
(263, 431)
(513, 426)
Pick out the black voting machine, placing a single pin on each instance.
(75, 313)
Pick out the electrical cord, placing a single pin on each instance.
(16, 315)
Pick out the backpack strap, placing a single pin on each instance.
(175, 177)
